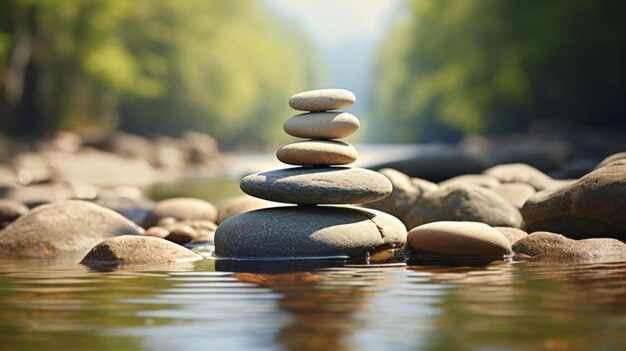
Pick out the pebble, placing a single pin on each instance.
(459, 239)
(331, 185)
(317, 152)
(298, 232)
(520, 173)
(127, 249)
(322, 125)
(322, 100)
(181, 208)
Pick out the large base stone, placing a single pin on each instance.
(307, 232)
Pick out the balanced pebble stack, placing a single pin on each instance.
(320, 178)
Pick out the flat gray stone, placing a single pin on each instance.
(307, 232)
(548, 246)
(59, 230)
(322, 125)
(127, 249)
(459, 239)
(330, 185)
(322, 100)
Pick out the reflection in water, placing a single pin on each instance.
(297, 306)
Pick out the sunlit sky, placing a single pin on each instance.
(346, 34)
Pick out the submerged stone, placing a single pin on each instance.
(138, 249)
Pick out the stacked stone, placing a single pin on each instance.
(321, 178)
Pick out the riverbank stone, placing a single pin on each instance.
(322, 100)
(127, 249)
(237, 205)
(520, 173)
(512, 234)
(63, 229)
(459, 239)
(555, 247)
(317, 152)
(307, 232)
(180, 208)
(330, 185)
(404, 194)
(322, 125)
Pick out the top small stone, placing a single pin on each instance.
(322, 100)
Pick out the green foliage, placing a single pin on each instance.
(152, 67)
(485, 66)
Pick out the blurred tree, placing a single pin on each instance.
(487, 66)
(224, 67)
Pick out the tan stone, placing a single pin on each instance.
(515, 193)
(475, 179)
(512, 234)
(322, 125)
(127, 249)
(322, 100)
(520, 173)
(549, 246)
(317, 152)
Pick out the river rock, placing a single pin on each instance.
(403, 195)
(512, 234)
(320, 231)
(31, 167)
(322, 125)
(593, 206)
(330, 185)
(10, 210)
(317, 152)
(460, 239)
(515, 193)
(203, 147)
(551, 246)
(63, 229)
(612, 158)
(128, 249)
(475, 179)
(181, 208)
(463, 202)
(237, 205)
(322, 100)
(520, 173)
(191, 231)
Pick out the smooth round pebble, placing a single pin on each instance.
(307, 232)
(322, 125)
(181, 208)
(317, 153)
(322, 100)
(332, 185)
(459, 239)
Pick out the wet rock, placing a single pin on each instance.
(515, 193)
(475, 179)
(556, 247)
(316, 231)
(520, 173)
(238, 205)
(403, 195)
(322, 100)
(593, 206)
(459, 239)
(127, 249)
(322, 125)
(317, 152)
(60, 230)
(10, 210)
(512, 234)
(181, 208)
(463, 202)
(612, 158)
(330, 185)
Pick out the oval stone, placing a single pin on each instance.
(331, 185)
(317, 152)
(181, 208)
(460, 239)
(322, 100)
(126, 249)
(307, 232)
(322, 125)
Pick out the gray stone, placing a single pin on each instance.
(459, 239)
(128, 249)
(555, 247)
(520, 173)
(515, 193)
(331, 185)
(463, 202)
(307, 232)
(322, 100)
(59, 230)
(593, 206)
(403, 196)
(317, 152)
(512, 234)
(10, 210)
(322, 125)
(181, 208)
(237, 205)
